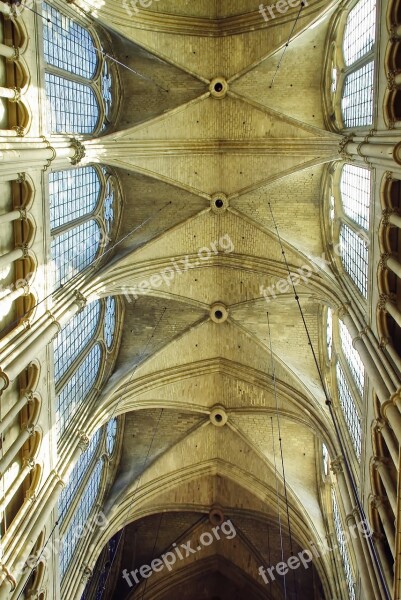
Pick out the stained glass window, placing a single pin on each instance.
(72, 194)
(73, 250)
(329, 332)
(354, 256)
(111, 433)
(80, 518)
(360, 31)
(67, 45)
(357, 98)
(352, 357)
(77, 388)
(74, 337)
(110, 321)
(77, 475)
(71, 106)
(349, 410)
(355, 194)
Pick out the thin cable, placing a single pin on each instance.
(104, 54)
(334, 420)
(154, 433)
(79, 273)
(153, 551)
(281, 452)
(144, 464)
(278, 507)
(287, 44)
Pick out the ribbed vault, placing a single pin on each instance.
(177, 149)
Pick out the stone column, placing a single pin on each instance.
(38, 153)
(390, 262)
(378, 541)
(15, 448)
(380, 149)
(13, 412)
(368, 362)
(13, 215)
(10, 257)
(379, 504)
(385, 477)
(9, 51)
(386, 344)
(16, 361)
(382, 427)
(27, 466)
(368, 581)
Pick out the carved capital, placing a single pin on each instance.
(79, 149)
(15, 56)
(24, 249)
(86, 574)
(80, 299)
(384, 342)
(83, 440)
(383, 299)
(336, 466)
(377, 501)
(383, 260)
(17, 95)
(30, 463)
(20, 131)
(379, 425)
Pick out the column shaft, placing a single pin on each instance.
(394, 266)
(10, 493)
(13, 215)
(14, 449)
(7, 51)
(10, 257)
(13, 412)
(368, 584)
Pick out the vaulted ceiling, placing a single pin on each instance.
(177, 146)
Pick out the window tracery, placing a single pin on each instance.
(78, 79)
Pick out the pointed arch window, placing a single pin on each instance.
(349, 191)
(78, 80)
(81, 516)
(358, 55)
(351, 70)
(349, 409)
(79, 353)
(74, 337)
(82, 216)
(347, 380)
(352, 357)
(342, 547)
(77, 388)
(73, 194)
(77, 476)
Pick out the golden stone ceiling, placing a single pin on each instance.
(176, 152)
